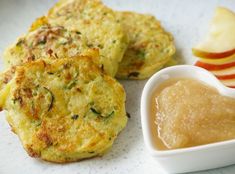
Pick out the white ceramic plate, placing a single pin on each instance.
(186, 19)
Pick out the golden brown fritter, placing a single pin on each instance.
(48, 42)
(98, 23)
(63, 110)
(150, 47)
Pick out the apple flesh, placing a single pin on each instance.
(220, 40)
(212, 55)
(229, 83)
(220, 61)
(224, 72)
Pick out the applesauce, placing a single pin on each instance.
(189, 113)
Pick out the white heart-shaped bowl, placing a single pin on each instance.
(193, 158)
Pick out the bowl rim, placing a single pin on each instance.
(145, 118)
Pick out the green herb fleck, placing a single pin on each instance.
(34, 93)
(71, 84)
(50, 73)
(90, 45)
(100, 46)
(52, 99)
(38, 123)
(14, 100)
(99, 113)
(95, 111)
(92, 103)
(42, 42)
(141, 54)
(75, 117)
(78, 32)
(19, 99)
(19, 42)
(110, 114)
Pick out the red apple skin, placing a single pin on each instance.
(211, 55)
(211, 67)
(226, 77)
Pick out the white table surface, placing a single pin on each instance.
(186, 19)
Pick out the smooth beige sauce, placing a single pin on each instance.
(186, 113)
(159, 144)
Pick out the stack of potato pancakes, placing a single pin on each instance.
(58, 88)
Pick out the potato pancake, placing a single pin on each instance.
(150, 47)
(98, 23)
(63, 110)
(46, 41)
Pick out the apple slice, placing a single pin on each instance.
(220, 41)
(210, 55)
(226, 77)
(224, 72)
(218, 61)
(211, 67)
(229, 83)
